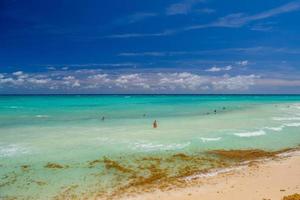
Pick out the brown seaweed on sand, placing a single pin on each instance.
(25, 167)
(248, 154)
(68, 193)
(54, 166)
(292, 197)
(182, 156)
(111, 164)
(94, 162)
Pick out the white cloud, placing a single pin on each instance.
(99, 77)
(4, 80)
(94, 80)
(38, 81)
(51, 68)
(18, 73)
(70, 81)
(68, 78)
(243, 62)
(218, 69)
(76, 83)
(182, 80)
(240, 82)
(131, 80)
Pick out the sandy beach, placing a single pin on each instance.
(264, 180)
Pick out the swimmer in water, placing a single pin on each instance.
(154, 124)
(215, 111)
(103, 118)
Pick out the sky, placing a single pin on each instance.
(149, 47)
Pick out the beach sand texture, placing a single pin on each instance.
(267, 180)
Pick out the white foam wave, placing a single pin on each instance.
(278, 128)
(251, 134)
(286, 118)
(293, 124)
(204, 139)
(159, 147)
(12, 150)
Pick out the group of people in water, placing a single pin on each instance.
(155, 124)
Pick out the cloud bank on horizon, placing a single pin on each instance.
(182, 46)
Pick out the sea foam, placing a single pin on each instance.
(12, 150)
(277, 128)
(251, 134)
(159, 147)
(286, 118)
(296, 124)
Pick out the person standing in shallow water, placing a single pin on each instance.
(155, 124)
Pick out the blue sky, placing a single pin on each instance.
(149, 46)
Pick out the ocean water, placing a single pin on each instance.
(90, 154)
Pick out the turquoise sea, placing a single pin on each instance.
(55, 146)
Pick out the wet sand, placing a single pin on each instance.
(270, 179)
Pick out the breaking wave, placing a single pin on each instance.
(158, 147)
(251, 134)
(12, 150)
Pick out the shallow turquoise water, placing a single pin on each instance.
(35, 130)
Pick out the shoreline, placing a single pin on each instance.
(265, 179)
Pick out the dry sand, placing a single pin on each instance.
(265, 180)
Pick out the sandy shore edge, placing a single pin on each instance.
(268, 179)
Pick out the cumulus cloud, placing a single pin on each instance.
(96, 80)
(182, 80)
(240, 82)
(243, 62)
(18, 73)
(218, 69)
(21, 79)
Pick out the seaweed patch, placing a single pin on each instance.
(250, 154)
(111, 164)
(55, 166)
(25, 167)
(295, 196)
